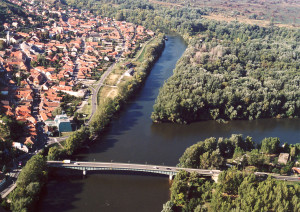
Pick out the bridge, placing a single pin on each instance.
(170, 171)
(145, 168)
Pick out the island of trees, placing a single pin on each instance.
(237, 188)
(234, 71)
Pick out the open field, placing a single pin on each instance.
(264, 23)
(282, 13)
(112, 79)
(117, 77)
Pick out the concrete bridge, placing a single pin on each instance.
(145, 168)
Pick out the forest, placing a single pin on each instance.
(234, 71)
(237, 188)
(234, 191)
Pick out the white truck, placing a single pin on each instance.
(66, 161)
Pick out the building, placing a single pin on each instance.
(283, 158)
(129, 72)
(63, 123)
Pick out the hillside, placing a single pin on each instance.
(9, 10)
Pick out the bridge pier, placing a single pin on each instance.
(171, 176)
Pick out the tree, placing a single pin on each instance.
(2, 45)
(270, 145)
(120, 16)
(167, 207)
(55, 153)
(230, 180)
(57, 111)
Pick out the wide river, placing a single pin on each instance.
(133, 138)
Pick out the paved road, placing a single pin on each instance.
(9, 189)
(280, 177)
(96, 91)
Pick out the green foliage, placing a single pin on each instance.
(234, 71)
(9, 10)
(211, 153)
(255, 158)
(11, 129)
(187, 191)
(235, 190)
(56, 153)
(270, 145)
(230, 180)
(185, 21)
(2, 45)
(29, 184)
(73, 142)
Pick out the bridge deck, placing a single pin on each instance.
(146, 168)
(166, 170)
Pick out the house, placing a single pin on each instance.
(17, 39)
(129, 72)
(20, 146)
(63, 123)
(283, 158)
(296, 170)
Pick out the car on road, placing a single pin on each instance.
(155, 167)
(168, 168)
(76, 163)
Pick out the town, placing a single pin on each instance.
(47, 72)
(102, 100)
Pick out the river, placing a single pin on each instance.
(133, 138)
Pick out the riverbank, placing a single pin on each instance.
(109, 105)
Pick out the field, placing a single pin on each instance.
(261, 12)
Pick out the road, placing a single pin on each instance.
(96, 91)
(280, 177)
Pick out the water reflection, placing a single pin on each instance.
(286, 129)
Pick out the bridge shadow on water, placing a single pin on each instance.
(125, 173)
